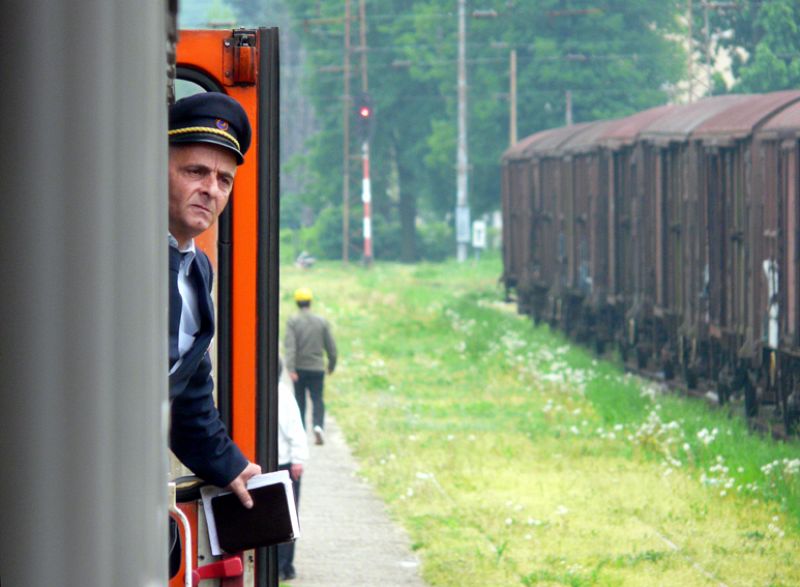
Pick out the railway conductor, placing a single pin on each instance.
(209, 134)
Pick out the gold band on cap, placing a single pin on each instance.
(207, 130)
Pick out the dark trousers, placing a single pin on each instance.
(313, 381)
(286, 550)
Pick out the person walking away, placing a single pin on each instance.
(308, 336)
(292, 456)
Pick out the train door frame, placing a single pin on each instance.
(244, 63)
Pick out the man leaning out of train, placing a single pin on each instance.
(209, 133)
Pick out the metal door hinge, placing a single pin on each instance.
(239, 59)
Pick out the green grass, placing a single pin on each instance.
(516, 458)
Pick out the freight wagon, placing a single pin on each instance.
(672, 236)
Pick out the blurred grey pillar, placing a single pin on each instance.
(83, 294)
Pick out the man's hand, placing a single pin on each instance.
(296, 471)
(295, 377)
(239, 487)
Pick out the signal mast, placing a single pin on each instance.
(365, 113)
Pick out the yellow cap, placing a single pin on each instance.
(302, 294)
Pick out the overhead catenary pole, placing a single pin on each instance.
(366, 189)
(690, 63)
(568, 109)
(707, 33)
(346, 139)
(512, 98)
(362, 34)
(462, 208)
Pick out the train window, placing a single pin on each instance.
(185, 88)
(189, 81)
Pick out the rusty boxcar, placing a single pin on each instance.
(732, 201)
(775, 302)
(530, 176)
(673, 232)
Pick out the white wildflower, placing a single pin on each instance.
(707, 437)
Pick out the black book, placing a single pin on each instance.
(272, 519)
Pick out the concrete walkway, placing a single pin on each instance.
(347, 538)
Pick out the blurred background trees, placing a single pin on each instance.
(577, 60)
(762, 41)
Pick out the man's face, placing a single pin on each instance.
(200, 183)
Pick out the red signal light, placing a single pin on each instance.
(364, 112)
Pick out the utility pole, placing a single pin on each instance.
(366, 188)
(462, 208)
(568, 109)
(707, 33)
(346, 139)
(512, 98)
(362, 34)
(690, 64)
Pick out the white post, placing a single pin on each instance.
(366, 199)
(462, 162)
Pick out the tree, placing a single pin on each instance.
(776, 61)
(763, 39)
(614, 56)
(201, 13)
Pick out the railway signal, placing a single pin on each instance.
(364, 111)
(365, 115)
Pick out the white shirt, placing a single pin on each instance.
(190, 312)
(292, 439)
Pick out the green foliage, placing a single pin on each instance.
(289, 245)
(220, 12)
(764, 41)
(614, 56)
(323, 240)
(206, 13)
(387, 239)
(437, 241)
(768, 72)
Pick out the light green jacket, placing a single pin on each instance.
(307, 337)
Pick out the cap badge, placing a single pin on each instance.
(221, 124)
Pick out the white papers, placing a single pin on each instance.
(210, 492)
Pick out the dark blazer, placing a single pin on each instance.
(197, 435)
